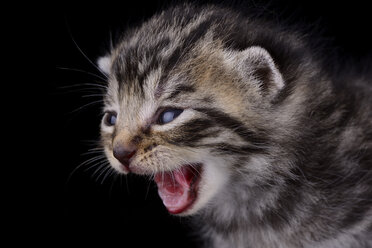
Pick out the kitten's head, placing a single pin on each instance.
(184, 108)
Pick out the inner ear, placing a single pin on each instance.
(257, 67)
(104, 64)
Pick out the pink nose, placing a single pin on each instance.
(123, 154)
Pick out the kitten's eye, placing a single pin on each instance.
(110, 118)
(169, 115)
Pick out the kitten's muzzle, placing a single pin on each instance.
(124, 154)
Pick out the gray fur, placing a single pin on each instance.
(299, 154)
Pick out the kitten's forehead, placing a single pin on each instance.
(137, 103)
(160, 44)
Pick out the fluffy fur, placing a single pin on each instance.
(286, 146)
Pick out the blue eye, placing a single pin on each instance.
(169, 115)
(110, 119)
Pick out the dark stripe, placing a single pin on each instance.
(180, 53)
(180, 89)
(197, 33)
(236, 126)
(228, 149)
(191, 132)
(150, 66)
(126, 72)
(126, 65)
(118, 67)
(152, 54)
(171, 63)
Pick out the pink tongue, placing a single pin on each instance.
(175, 189)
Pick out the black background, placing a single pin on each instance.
(92, 209)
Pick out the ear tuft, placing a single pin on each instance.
(257, 66)
(104, 64)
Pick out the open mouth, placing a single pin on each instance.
(178, 189)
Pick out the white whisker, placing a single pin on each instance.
(93, 95)
(148, 189)
(82, 71)
(85, 56)
(101, 166)
(85, 86)
(86, 105)
(89, 162)
(105, 172)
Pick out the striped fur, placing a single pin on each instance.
(286, 145)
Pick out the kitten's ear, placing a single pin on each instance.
(257, 66)
(104, 64)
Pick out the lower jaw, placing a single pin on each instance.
(182, 210)
(192, 193)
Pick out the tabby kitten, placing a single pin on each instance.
(241, 125)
